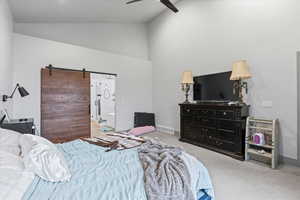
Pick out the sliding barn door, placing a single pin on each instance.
(65, 105)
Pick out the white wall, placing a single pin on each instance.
(125, 39)
(6, 26)
(206, 36)
(133, 84)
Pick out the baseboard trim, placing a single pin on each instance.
(165, 129)
(177, 133)
(289, 161)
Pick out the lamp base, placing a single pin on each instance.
(238, 88)
(186, 102)
(186, 89)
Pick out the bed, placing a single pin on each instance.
(101, 175)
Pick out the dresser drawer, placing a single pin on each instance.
(209, 131)
(220, 134)
(198, 135)
(189, 134)
(221, 144)
(226, 135)
(206, 113)
(201, 136)
(187, 111)
(206, 122)
(226, 125)
(225, 114)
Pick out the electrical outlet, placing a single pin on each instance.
(267, 104)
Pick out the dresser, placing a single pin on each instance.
(216, 126)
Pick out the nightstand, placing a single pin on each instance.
(25, 126)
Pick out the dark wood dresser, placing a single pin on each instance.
(218, 127)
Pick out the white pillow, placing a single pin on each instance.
(46, 161)
(10, 161)
(26, 143)
(9, 141)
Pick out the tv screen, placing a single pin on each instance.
(214, 87)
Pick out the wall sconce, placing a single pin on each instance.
(22, 92)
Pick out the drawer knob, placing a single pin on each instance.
(224, 113)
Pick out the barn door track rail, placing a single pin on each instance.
(50, 67)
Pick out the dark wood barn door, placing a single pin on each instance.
(65, 105)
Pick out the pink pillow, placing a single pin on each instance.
(141, 130)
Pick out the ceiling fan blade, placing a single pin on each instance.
(169, 5)
(133, 1)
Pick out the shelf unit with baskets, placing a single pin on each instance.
(268, 151)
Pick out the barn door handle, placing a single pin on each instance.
(89, 108)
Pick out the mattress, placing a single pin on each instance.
(114, 175)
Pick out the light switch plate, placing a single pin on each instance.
(267, 104)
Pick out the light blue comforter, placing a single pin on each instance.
(99, 175)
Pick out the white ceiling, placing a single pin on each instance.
(85, 10)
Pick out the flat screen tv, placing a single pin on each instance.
(214, 87)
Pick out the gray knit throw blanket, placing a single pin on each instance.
(166, 175)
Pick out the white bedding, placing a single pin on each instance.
(14, 179)
(46, 161)
(9, 141)
(14, 183)
(114, 175)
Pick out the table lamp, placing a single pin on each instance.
(240, 72)
(186, 82)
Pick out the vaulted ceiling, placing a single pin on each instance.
(85, 10)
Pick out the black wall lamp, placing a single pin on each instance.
(22, 92)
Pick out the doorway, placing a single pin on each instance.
(103, 103)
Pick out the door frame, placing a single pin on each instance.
(115, 106)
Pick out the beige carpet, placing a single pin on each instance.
(236, 180)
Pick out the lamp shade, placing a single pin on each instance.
(187, 77)
(23, 92)
(240, 70)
